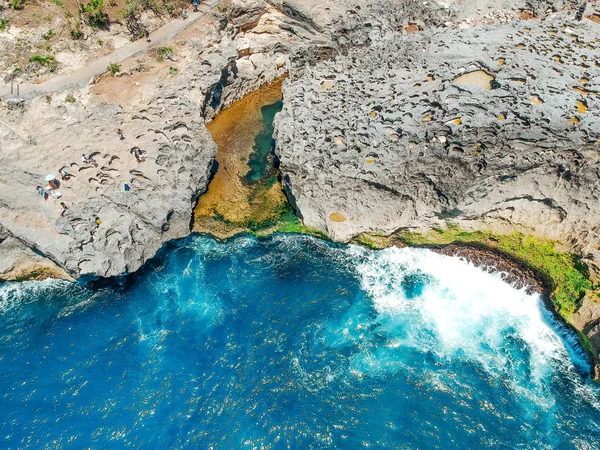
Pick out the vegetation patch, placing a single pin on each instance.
(75, 30)
(48, 34)
(162, 53)
(113, 68)
(3, 23)
(96, 16)
(46, 61)
(41, 273)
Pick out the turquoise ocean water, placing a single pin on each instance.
(290, 342)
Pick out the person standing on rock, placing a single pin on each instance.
(64, 175)
(196, 3)
(64, 210)
(140, 155)
(147, 36)
(119, 131)
(42, 192)
(183, 13)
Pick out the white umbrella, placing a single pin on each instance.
(50, 177)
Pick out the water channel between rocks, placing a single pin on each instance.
(244, 194)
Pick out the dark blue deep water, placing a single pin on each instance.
(290, 342)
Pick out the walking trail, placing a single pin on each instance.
(81, 77)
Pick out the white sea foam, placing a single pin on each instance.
(463, 313)
(19, 293)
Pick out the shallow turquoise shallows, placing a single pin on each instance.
(290, 342)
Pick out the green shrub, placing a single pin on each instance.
(100, 42)
(76, 32)
(113, 68)
(172, 69)
(70, 99)
(16, 4)
(132, 18)
(47, 61)
(48, 34)
(3, 23)
(58, 3)
(162, 52)
(96, 16)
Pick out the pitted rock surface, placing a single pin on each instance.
(383, 138)
(106, 231)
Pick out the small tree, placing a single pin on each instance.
(113, 68)
(76, 32)
(96, 16)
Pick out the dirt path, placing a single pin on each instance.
(83, 76)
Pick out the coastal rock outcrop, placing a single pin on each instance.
(106, 230)
(493, 126)
(488, 124)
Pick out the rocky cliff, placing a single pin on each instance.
(486, 122)
(398, 115)
(105, 230)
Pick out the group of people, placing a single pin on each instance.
(53, 185)
(195, 4)
(52, 189)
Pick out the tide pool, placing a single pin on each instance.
(290, 341)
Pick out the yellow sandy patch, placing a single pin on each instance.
(501, 61)
(339, 140)
(478, 78)
(581, 107)
(573, 120)
(536, 100)
(337, 217)
(370, 161)
(412, 28)
(501, 117)
(581, 90)
(326, 84)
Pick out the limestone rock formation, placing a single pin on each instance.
(106, 230)
(487, 123)
(492, 126)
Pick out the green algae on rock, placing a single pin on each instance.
(245, 195)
